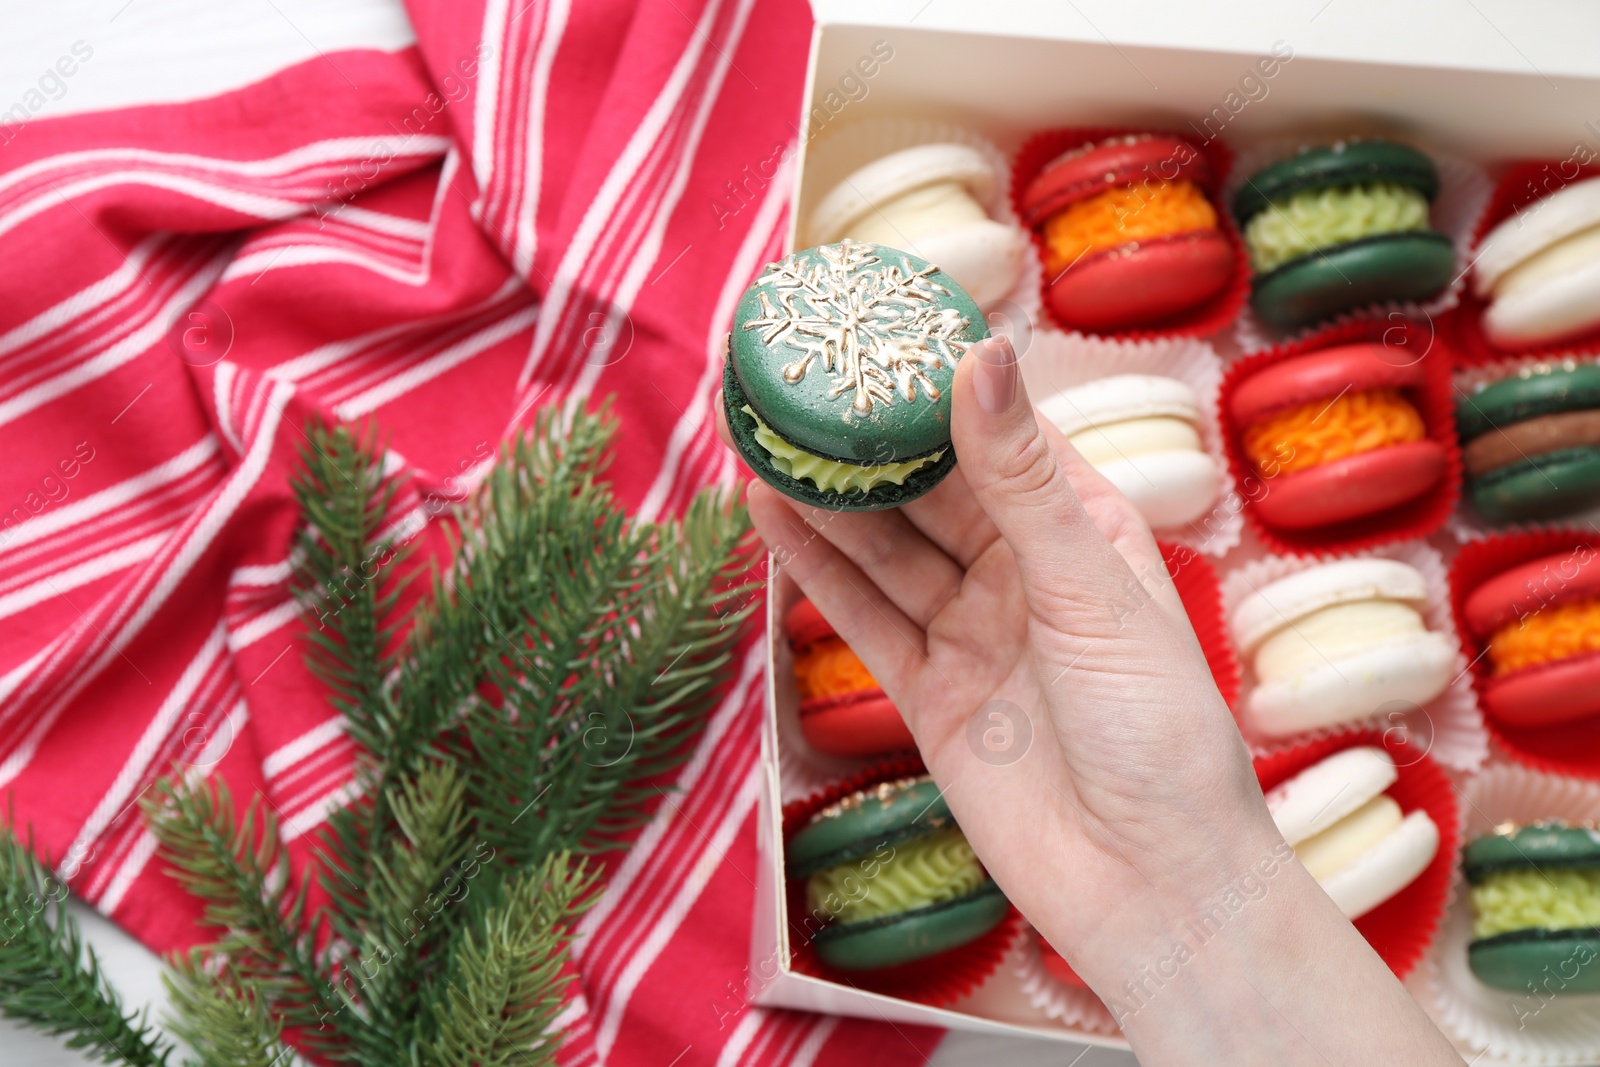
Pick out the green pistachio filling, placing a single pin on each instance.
(830, 475)
(1530, 899)
(925, 870)
(1320, 218)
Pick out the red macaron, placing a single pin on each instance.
(1355, 486)
(1555, 691)
(1094, 168)
(850, 716)
(1143, 280)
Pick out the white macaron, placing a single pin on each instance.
(1142, 432)
(1336, 643)
(1350, 835)
(1540, 269)
(934, 201)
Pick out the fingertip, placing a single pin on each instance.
(993, 376)
(1006, 455)
(990, 401)
(992, 416)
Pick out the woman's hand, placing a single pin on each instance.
(1022, 620)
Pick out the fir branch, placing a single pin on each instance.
(689, 617)
(542, 480)
(341, 582)
(344, 498)
(614, 634)
(49, 979)
(567, 654)
(414, 880)
(237, 867)
(222, 1016)
(504, 987)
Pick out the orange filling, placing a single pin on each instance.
(1324, 431)
(1124, 214)
(1555, 633)
(829, 669)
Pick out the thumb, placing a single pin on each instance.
(1008, 462)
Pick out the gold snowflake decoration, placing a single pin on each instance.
(873, 323)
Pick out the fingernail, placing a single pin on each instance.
(994, 380)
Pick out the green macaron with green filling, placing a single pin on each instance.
(891, 878)
(839, 373)
(1530, 443)
(1342, 226)
(1536, 907)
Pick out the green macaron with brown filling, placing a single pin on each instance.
(891, 878)
(839, 374)
(1530, 443)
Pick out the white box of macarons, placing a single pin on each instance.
(1299, 293)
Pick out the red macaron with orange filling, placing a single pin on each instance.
(1337, 435)
(1129, 233)
(843, 712)
(1540, 623)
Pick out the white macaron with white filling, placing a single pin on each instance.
(934, 201)
(1349, 834)
(1540, 269)
(1142, 432)
(1336, 643)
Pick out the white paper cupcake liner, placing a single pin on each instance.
(841, 151)
(1464, 191)
(1077, 1008)
(1465, 524)
(1448, 728)
(1499, 1025)
(1057, 361)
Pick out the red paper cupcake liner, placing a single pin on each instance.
(1416, 519)
(1201, 592)
(1571, 749)
(1201, 321)
(1520, 186)
(1402, 927)
(936, 981)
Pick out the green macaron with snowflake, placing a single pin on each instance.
(840, 367)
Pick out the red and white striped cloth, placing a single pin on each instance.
(531, 204)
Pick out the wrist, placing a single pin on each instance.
(1261, 968)
(1186, 902)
